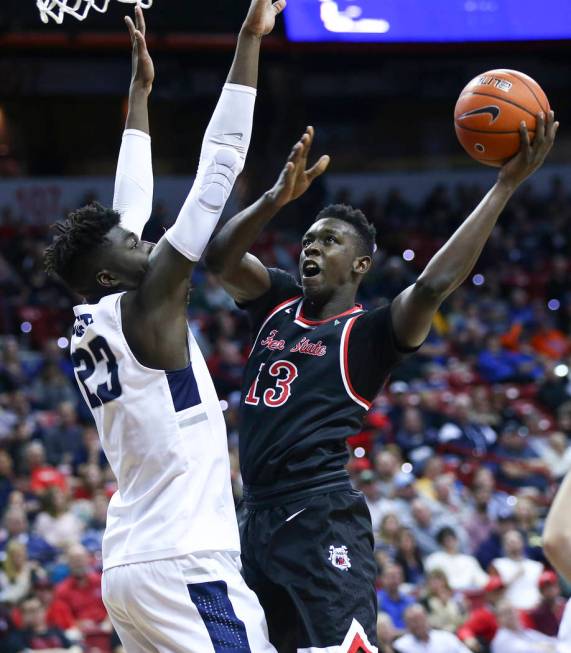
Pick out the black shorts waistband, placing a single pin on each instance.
(262, 497)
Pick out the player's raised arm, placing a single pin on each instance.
(414, 309)
(222, 158)
(133, 196)
(241, 273)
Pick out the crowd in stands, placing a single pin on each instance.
(458, 459)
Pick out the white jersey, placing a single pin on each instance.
(165, 438)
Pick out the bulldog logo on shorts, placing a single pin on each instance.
(339, 557)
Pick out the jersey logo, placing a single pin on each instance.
(81, 322)
(305, 346)
(336, 323)
(271, 343)
(339, 557)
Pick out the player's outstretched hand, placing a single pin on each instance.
(261, 17)
(143, 69)
(295, 178)
(531, 155)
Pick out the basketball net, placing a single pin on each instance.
(57, 9)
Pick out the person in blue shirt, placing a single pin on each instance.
(390, 599)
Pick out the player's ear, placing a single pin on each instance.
(362, 264)
(106, 279)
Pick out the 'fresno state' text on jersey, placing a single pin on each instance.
(297, 394)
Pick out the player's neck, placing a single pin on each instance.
(321, 308)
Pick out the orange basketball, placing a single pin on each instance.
(489, 111)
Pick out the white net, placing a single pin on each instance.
(58, 9)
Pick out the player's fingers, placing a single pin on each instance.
(140, 20)
(540, 129)
(551, 128)
(524, 136)
(130, 27)
(279, 6)
(319, 168)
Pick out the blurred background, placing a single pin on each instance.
(472, 434)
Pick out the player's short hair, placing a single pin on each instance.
(358, 220)
(77, 237)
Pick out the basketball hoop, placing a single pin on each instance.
(57, 9)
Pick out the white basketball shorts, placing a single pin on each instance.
(197, 603)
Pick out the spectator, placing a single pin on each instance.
(57, 524)
(386, 466)
(519, 574)
(546, 617)
(390, 598)
(81, 592)
(420, 638)
(369, 486)
(444, 609)
(386, 633)
(424, 527)
(463, 571)
(35, 634)
(63, 441)
(481, 626)
(557, 455)
(17, 574)
(464, 434)
(409, 557)
(16, 529)
(512, 637)
(521, 466)
(387, 537)
(6, 479)
(42, 476)
(493, 546)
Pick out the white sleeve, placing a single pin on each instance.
(133, 196)
(222, 158)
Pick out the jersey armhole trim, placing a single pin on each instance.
(344, 361)
(276, 309)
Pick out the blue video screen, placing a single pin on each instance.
(425, 21)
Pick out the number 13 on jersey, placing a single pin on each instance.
(285, 373)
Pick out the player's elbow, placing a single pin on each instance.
(213, 260)
(432, 291)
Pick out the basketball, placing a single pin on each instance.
(489, 111)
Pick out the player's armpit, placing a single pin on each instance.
(413, 312)
(247, 281)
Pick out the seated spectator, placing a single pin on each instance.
(521, 466)
(464, 434)
(16, 529)
(58, 614)
(481, 626)
(57, 524)
(493, 546)
(463, 571)
(445, 610)
(556, 454)
(546, 617)
(497, 364)
(528, 524)
(51, 388)
(408, 556)
(387, 467)
(512, 637)
(413, 433)
(368, 484)
(386, 633)
(420, 638)
(35, 634)
(432, 468)
(17, 574)
(424, 526)
(81, 592)
(92, 538)
(390, 599)
(42, 475)
(519, 574)
(63, 441)
(387, 536)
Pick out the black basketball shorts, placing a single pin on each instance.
(310, 561)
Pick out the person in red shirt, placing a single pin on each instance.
(42, 475)
(81, 592)
(546, 617)
(480, 628)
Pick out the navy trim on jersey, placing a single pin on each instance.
(227, 632)
(184, 389)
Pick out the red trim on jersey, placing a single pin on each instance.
(305, 320)
(358, 645)
(271, 314)
(351, 323)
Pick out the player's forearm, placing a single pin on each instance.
(244, 68)
(557, 531)
(138, 110)
(238, 235)
(452, 264)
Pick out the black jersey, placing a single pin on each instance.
(307, 386)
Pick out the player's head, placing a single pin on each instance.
(337, 251)
(94, 256)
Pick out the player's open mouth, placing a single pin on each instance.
(310, 269)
